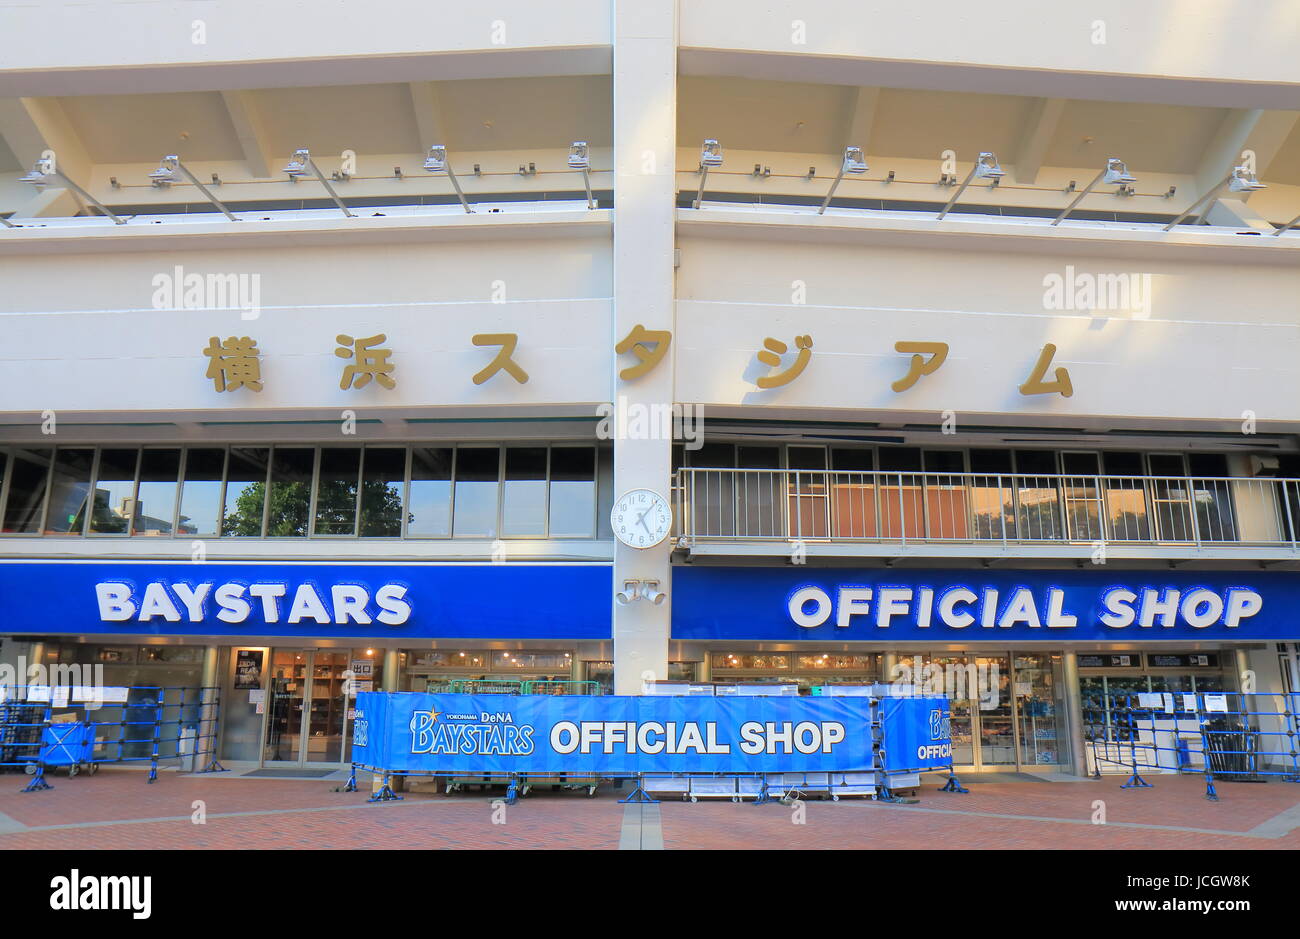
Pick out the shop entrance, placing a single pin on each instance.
(306, 707)
(1007, 710)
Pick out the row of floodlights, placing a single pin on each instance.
(854, 163)
(172, 170)
(986, 167)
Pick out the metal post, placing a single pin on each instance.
(1079, 198)
(1287, 227)
(1074, 713)
(827, 200)
(960, 189)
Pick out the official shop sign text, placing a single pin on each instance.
(959, 607)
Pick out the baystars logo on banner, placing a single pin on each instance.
(483, 733)
(119, 603)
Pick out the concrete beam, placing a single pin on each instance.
(1040, 126)
(862, 116)
(32, 126)
(246, 117)
(1224, 151)
(1268, 137)
(426, 104)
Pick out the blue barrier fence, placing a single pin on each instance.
(1223, 736)
(739, 746)
(82, 728)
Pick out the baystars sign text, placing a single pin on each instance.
(119, 602)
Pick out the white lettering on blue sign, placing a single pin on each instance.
(960, 607)
(118, 603)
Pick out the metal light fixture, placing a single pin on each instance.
(580, 159)
(1239, 180)
(1115, 174)
(631, 591)
(634, 590)
(166, 174)
(854, 163)
(1242, 181)
(986, 167)
(710, 155)
(301, 164)
(436, 162)
(40, 175)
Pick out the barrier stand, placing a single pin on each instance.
(38, 779)
(1135, 781)
(22, 735)
(209, 720)
(953, 784)
(351, 785)
(385, 793)
(639, 795)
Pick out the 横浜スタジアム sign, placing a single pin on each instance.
(984, 606)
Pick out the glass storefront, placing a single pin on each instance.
(808, 669)
(485, 670)
(1008, 711)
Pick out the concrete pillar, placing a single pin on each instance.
(1241, 659)
(391, 678)
(887, 663)
(1074, 713)
(645, 124)
(205, 743)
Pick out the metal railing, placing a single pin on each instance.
(910, 508)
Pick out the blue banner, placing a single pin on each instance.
(365, 601)
(610, 736)
(1058, 606)
(917, 733)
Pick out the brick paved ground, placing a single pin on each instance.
(117, 809)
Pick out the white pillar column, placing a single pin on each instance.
(1074, 709)
(645, 125)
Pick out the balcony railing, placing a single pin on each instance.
(719, 505)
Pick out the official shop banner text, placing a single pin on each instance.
(612, 735)
(984, 606)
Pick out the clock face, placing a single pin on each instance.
(641, 518)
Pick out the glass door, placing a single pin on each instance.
(1079, 491)
(992, 693)
(1040, 709)
(306, 707)
(808, 494)
(286, 695)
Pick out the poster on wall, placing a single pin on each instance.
(248, 669)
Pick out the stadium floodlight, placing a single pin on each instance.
(1239, 180)
(167, 173)
(986, 167)
(436, 162)
(1115, 174)
(710, 155)
(580, 159)
(301, 164)
(40, 175)
(854, 163)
